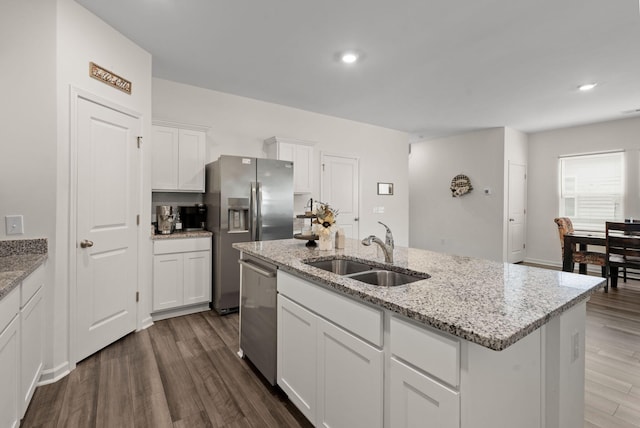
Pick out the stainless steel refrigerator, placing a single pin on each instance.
(248, 199)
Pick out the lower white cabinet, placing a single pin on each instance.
(181, 272)
(350, 380)
(31, 346)
(419, 401)
(298, 355)
(10, 359)
(333, 376)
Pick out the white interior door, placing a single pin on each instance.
(517, 212)
(340, 184)
(107, 204)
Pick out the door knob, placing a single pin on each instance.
(86, 244)
(512, 219)
(356, 219)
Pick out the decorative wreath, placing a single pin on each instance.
(460, 185)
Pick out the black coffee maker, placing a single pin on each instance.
(193, 217)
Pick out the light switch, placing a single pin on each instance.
(13, 224)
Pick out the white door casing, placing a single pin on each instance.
(340, 189)
(517, 212)
(107, 198)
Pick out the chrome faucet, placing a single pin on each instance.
(387, 246)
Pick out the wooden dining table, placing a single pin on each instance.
(581, 239)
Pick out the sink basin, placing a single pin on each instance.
(341, 266)
(386, 278)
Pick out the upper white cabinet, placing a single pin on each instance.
(178, 158)
(297, 151)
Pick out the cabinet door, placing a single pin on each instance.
(31, 346)
(191, 160)
(9, 390)
(350, 376)
(168, 276)
(197, 277)
(303, 157)
(297, 355)
(419, 401)
(164, 158)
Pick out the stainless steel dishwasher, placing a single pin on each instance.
(258, 315)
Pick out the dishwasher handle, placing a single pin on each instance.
(257, 269)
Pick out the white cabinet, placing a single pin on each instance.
(425, 377)
(10, 359)
(328, 371)
(300, 153)
(350, 390)
(178, 158)
(297, 355)
(31, 335)
(181, 274)
(419, 401)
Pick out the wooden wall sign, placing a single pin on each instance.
(109, 78)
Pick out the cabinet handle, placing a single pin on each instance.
(257, 269)
(86, 244)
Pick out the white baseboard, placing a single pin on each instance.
(594, 269)
(146, 323)
(170, 313)
(55, 374)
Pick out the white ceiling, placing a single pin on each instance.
(431, 67)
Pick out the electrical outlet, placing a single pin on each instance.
(14, 225)
(575, 346)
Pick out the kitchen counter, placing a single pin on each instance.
(18, 259)
(182, 235)
(489, 303)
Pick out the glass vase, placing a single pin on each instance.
(325, 243)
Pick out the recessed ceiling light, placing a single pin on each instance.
(587, 87)
(349, 57)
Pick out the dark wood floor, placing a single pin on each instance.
(612, 383)
(184, 372)
(181, 372)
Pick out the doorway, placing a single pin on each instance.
(339, 188)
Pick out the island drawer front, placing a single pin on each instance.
(427, 350)
(9, 307)
(184, 245)
(31, 284)
(362, 320)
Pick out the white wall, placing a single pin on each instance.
(543, 245)
(28, 125)
(238, 126)
(81, 38)
(28, 115)
(470, 225)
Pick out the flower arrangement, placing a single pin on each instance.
(325, 219)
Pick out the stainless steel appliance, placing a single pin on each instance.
(248, 199)
(258, 316)
(193, 217)
(164, 217)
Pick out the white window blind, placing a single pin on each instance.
(592, 189)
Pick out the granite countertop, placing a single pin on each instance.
(489, 303)
(18, 259)
(181, 235)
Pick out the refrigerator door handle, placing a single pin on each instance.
(253, 212)
(259, 211)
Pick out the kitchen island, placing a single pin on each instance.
(479, 343)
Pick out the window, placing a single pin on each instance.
(592, 189)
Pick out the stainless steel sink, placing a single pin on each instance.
(341, 266)
(386, 278)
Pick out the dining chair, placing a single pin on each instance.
(623, 248)
(583, 258)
